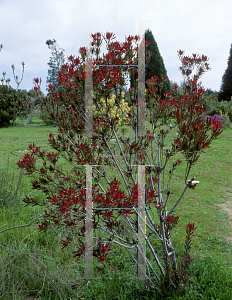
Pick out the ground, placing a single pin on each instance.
(227, 208)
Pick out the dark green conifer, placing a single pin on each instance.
(226, 87)
(156, 64)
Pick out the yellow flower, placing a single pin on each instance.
(220, 112)
(114, 109)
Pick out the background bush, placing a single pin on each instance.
(9, 99)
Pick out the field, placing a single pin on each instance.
(33, 266)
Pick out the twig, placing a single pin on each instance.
(22, 225)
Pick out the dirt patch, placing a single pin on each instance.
(227, 208)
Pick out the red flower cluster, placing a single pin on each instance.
(190, 227)
(28, 162)
(52, 157)
(171, 219)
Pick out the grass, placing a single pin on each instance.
(34, 266)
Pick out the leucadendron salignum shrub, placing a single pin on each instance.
(65, 192)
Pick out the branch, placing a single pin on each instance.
(188, 184)
(26, 225)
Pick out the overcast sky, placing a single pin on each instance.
(196, 26)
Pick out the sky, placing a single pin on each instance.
(195, 26)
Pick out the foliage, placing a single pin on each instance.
(116, 212)
(10, 99)
(155, 66)
(56, 61)
(226, 86)
(31, 93)
(222, 108)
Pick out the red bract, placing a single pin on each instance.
(190, 226)
(28, 162)
(165, 77)
(53, 199)
(109, 35)
(52, 157)
(66, 243)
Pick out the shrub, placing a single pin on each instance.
(220, 108)
(9, 99)
(224, 119)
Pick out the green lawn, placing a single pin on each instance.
(25, 251)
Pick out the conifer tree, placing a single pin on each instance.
(226, 87)
(156, 63)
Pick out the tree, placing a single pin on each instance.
(56, 61)
(156, 64)
(226, 87)
(10, 99)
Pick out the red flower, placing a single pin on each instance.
(190, 226)
(66, 243)
(104, 248)
(56, 95)
(155, 179)
(170, 219)
(21, 164)
(82, 50)
(102, 257)
(176, 141)
(52, 157)
(109, 35)
(155, 78)
(54, 199)
(65, 207)
(41, 227)
(127, 212)
(150, 195)
(28, 162)
(165, 77)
